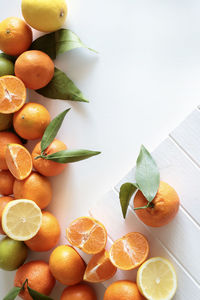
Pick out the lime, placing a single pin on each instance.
(6, 67)
(5, 121)
(12, 254)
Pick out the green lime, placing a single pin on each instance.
(6, 67)
(5, 121)
(12, 254)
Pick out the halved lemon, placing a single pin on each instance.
(21, 219)
(156, 279)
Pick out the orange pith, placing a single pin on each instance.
(87, 234)
(99, 268)
(12, 94)
(19, 161)
(130, 251)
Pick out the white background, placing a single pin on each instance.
(143, 82)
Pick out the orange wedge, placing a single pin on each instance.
(130, 251)
(99, 268)
(87, 234)
(19, 161)
(12, 94)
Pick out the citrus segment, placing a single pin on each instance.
(19, 161)
(130, 251)
(156, 279)
(12, 94)
(21, 219)
(99, 268)
(87, 234)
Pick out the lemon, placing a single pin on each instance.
(156, 279)
(44, 15)
(21, 219)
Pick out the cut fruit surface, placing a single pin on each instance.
(87, 234)
(156, 279)
(12, 94)
(21, 219)
(19, 161)
(99, 268)
(130, 251)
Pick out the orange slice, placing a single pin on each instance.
(130, 251)
(19, 161)
(99, 268)
(87, 234)
(12, 94)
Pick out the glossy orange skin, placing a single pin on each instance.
(166, 205)
(48, 167)
(6, 182)
(5, 139)
(35, 68)
(3, 202)
(39, 278)
(123, 290)
(78, 292)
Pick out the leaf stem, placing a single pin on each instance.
(39, 156)
(149, 204)
(23, 285)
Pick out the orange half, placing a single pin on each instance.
(87, 234)
(12, 94)
(130, 251)
(19, 161)
(99, 268)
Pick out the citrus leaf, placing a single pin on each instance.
(52, 130)
(61, 87)
(126, 192)
(37, 296)
(13, 293)
(147, 174)
(70, 156)
(57, 42)
(9, 57)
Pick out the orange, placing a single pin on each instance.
(99, 268)
(39, 278)
(12, 94)
(66, 265)
(48, 167)
(165, 206)
(35, 68)
(48, 234)
(123, 290)
(87, 234)
(130, 251)
(35, 187)
(31, 121)
(6, 182)
(15, 36)
(78, 292)
(19, 161)
(3, 202)
(5, 139)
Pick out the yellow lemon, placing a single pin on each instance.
(45, 15)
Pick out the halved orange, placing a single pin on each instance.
(99, 268)
(87, 234)
(130, 251)
(12, 94)
(19, 161)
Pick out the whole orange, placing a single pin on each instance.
(66, 265)
(5, 139)
(39, 278)
(78, 292)
(31, 121)
(3, 202)
(165, 206)
(6, 182)
(123, 290)
(35, 68)
(48, 235)
(48, 167)
(15, 36)
(35, 187)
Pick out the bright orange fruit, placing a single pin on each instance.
(6, 182)
(3, 202)
(123, 290)
(78, 292)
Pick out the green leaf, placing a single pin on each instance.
(61, 87)
(12, 58)
(147, 174)
(37, 296)
(58, 42)
(70, 156)
(52, 130)
(126, 192)
(12, 294)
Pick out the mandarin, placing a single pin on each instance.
(6, 182)
(78, 292)
(123, 290)
(3, 202)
